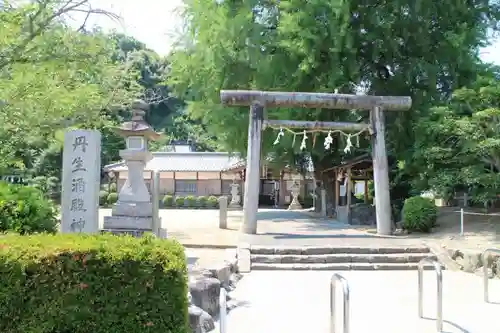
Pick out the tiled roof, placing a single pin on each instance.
(242, 163)
(185, 161)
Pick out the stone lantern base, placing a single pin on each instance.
(295, 205)
(134, 225)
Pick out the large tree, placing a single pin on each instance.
(424, 49)
(458, 144)
(53, 77)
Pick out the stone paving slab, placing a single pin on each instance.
(271, 302)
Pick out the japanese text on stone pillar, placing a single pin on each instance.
(81, 170)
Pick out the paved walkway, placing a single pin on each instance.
(200, 228)
(385, 301)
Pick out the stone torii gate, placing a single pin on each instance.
(258, 100)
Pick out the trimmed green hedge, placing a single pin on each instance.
(212, 202)
(419, 214)
(168, 200)
(92, 284)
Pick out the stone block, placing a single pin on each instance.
(363, 214)
(205, 293)
(128, 222)
(222, 272)
(244, 262)
(199, 320)
(469, 260)
(231, 258)
(134, 209)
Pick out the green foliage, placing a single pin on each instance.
(112, 188)
(92, 284)
(190, 201)
(179, 201)
(395, 49)
(458, 148)
(306, 201)
(202, 201)
(103, 197)
(47, 185)
(419, 214)
(168, 200)
(112, 198)
(25, 210)
(275, 46)
(212, 202)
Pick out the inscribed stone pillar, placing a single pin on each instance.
(81, 181)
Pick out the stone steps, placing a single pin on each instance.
(337, 267)
(395, 258)
(313, 250)
(337, 258)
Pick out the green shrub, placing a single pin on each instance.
(202, 201)
(92, 284)
(419, 214)
(103, 197)
(112, 188)
(190, 201)
(212, 202)
(24, 209)
(112, 198)
(179, 201)
(168, 200)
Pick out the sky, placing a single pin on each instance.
(156, 23)
(153, 22)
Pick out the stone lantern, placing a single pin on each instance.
(235, 195)
(133, 212)
(295, 189)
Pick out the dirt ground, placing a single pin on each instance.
(481, 230)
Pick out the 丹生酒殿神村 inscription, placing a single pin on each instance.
(81, 179)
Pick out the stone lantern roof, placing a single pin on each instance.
(137, 126)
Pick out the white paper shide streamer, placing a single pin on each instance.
(280, 134)
(328, 140)
(303, 143)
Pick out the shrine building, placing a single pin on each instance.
(184, 171)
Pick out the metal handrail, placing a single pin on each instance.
(346, 303)
(223, 310)
(485, 272)
(439, 279)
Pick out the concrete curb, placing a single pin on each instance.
(243, 258)
(209, 246)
